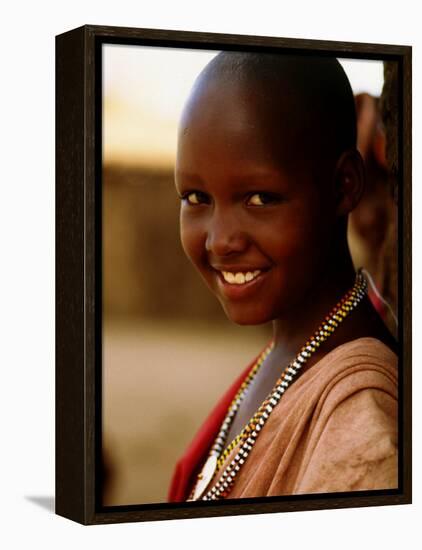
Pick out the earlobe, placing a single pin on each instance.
(349, 181)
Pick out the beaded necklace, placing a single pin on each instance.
(248, 436)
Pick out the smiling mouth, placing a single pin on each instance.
(240, 277)
(240, 285)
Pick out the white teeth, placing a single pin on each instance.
(240, 278)
(229, 277)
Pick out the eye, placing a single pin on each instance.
(262, 199)
(195, 197)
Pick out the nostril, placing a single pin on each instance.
(225, 244)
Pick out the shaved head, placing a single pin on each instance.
(307, 99)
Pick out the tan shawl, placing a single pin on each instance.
(335, 428)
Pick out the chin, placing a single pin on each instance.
(245, 318)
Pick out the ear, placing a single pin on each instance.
(349, 181)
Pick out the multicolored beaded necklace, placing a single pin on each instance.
(248, 436)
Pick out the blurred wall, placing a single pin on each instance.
(146, 273)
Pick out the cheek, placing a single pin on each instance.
(192, 239)
(298, 237)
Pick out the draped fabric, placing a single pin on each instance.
(334, 430)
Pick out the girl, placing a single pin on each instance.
(267, 172)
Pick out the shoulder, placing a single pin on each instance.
(355, 448)
(352, 443)
(365, 363)
(365, 350)
(359, 383)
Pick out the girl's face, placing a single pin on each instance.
(253, 221)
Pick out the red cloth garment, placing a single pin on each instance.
(189, 464)
(378, 304)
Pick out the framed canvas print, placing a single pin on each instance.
(233, 319)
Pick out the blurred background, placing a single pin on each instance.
(168, 350)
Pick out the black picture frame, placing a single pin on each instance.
(79, 281)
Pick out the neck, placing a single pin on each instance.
(291, 331)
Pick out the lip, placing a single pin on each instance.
(245, 290)
(241, 268)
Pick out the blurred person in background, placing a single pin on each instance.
(373, 223)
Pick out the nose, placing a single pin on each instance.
(225, 235)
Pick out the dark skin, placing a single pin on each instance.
(253, 200)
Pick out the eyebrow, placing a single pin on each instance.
(248, 176)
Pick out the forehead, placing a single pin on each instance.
(243, 119)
